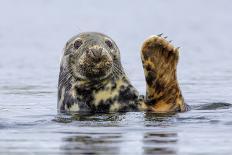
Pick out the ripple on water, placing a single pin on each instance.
(213, 106)
(25, 90)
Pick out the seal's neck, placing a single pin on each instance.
(94, 84)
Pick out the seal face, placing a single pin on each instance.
(92, 78)
(91, 57)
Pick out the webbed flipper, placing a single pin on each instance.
(160, 60)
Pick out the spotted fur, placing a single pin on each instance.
(92, 79)
(160, 58)
(90, 94)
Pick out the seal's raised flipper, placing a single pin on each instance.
(160, 60)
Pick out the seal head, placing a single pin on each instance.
(92, 56)
(92, 78)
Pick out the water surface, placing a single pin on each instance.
(32, 35)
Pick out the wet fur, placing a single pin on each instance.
(115, 93)
(160, 58)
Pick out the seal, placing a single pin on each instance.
(92, 78)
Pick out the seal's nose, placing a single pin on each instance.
(95, 53)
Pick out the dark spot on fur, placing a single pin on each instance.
(145, 54)
(151, 102)
(114, 85)
(104, 106)
(141, 98)
(68, 101)
(123, 109)
(150, 78)
(122, 87)
(124, 79)
(158, 87)
(126, 94)
(148, 67)
(87, 95)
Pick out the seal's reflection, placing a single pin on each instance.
(160, 141)
(114, 138)
(99, 139)
(93, 143)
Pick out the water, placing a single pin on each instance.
(32, 35)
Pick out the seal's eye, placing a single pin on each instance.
(77, 44)
(109, 43)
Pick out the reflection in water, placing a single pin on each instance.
(92, 144)
(119, 143)
(160, 143)
(83, 142)
(136, 140)
(159, 117)
(159, 120)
